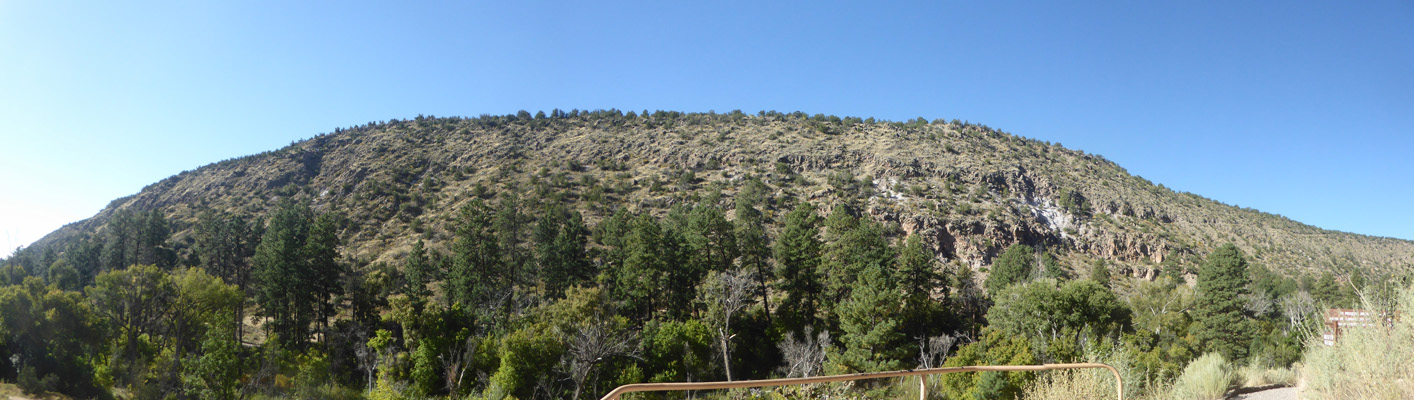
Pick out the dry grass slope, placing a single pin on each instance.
(970, 190)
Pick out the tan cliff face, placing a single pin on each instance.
(969, 190)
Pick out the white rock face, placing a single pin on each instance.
(1051, 215)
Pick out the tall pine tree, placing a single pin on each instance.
(797, 251)
(1221, 323)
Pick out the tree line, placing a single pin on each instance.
(533, 302)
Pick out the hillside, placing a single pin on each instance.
(970, 190)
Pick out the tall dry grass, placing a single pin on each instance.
(1255, 375)
(1206, 378)
(1366, 363)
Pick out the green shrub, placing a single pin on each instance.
(1206, 378)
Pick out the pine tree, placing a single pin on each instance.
(871, 320)
(1100, 273)
(281, 269)
(797, 252)
(1221, 323)
(919, 277)
(638, 280)
(477, 267)
(754, 247)
(324, 271)
(1014, 266)
(417, 273)
(560, 250)
(510, 227)
(711, 237)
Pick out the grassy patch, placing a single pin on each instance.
(1206, 378)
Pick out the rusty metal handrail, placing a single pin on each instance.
(675, 386)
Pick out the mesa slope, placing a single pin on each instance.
(969, 189)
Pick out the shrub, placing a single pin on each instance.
(1206, 378)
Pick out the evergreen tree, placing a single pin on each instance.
(871, 319)
(1053, 267)
(298, 272)
(560, 250)
(637, 280)
(711, 237)
(753, 246)
(919, 277)
(417, 273)
(478, 273)
(510, 227)
(860, 247)
(1326, 291)
(224, 246)
(797, 252)
(1100, 273)
(1014, 266)
(1221, 323)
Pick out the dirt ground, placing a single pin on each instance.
(1286, 393)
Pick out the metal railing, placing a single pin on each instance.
(920, 373)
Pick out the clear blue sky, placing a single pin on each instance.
(1305, 109)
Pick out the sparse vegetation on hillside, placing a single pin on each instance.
(557, 255)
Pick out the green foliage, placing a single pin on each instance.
(1161, 344)
(753, 246)
(526, 355)
(1015, 265)
(1100, 272)
(679, 351)
(852, 246)
(1060, 318)
(477, 267)
(560, 250)
(53, 334)
(711, 238)
(1053, 267)
(1206, 378)
(1075, 203)
(797, 252)
(137, 237)
(297, 266)
(215, 372)
(871, 319)
(1221, 323)
(135, 301)
(921, 277)
(994, 348)
(426, 368)
(417, 273)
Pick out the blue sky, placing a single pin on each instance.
(1303, 109)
